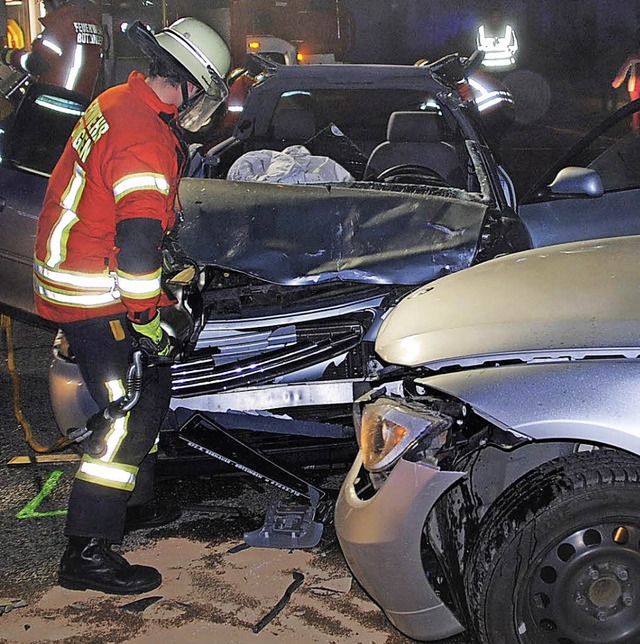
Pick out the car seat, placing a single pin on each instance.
(292, 126)
(416, 138)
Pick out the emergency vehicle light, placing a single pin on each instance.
(254, 44)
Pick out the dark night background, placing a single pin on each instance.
(553, 34)
(584, 38)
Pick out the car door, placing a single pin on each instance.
(31, 141)
(21, 196)
(612, 149)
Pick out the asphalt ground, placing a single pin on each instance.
(218, 509)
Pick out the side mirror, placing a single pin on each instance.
(576, 182)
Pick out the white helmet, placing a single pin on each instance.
(197, 50)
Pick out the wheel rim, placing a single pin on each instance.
(585, 589)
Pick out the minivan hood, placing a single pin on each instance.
(571, 300)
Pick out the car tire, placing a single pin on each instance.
(557, 559)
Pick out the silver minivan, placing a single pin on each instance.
(497, 484)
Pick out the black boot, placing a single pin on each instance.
(89, 563)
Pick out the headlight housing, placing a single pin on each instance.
(389, 427)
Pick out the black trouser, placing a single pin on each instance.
(104, 487)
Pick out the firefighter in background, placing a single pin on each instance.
(498, 42)
(494, 101)
(631, 68)
(239, 80)
(110, 202)
(68, 52)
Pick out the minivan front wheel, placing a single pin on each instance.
(557, 560)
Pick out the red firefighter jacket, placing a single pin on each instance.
(70, 47)
(109, 201)
(630, 67)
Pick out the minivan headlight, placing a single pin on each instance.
(389, 428)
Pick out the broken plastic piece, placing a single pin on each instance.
(288, 524)
(140, 605)
(7, 605)
(339, 586)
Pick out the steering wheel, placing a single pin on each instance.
(411, 173)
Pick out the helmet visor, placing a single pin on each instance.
(200, 110)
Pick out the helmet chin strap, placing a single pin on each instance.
(185, 96)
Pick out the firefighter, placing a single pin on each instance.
(110, 201)
(631, 68)
(239, 80)
(68, 52)
(498, 42)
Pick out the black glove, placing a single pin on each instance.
(154, 342)
(32, 62)
(174, 259)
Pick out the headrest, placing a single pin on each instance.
(414, 127)
(293, 124)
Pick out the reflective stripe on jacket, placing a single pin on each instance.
(122, 162)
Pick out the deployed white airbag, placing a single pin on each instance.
(294, 164)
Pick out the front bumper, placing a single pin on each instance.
(380, 538)
(70, 399)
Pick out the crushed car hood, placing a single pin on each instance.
(296, 235)
(572, 300)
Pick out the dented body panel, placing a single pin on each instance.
(310, 234)
(532, 359)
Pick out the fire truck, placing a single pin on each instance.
(277, 49)
(320, 30)
(301, 31)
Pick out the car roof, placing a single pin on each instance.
(353, 76)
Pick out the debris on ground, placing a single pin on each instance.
(298, 578)
(140, 605)
(7, 604)
(327, 587)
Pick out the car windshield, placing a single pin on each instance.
(362, 113)
(368, 130)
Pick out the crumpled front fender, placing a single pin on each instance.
(380, 538)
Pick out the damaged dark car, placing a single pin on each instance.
(282, 288)
(278, 312)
